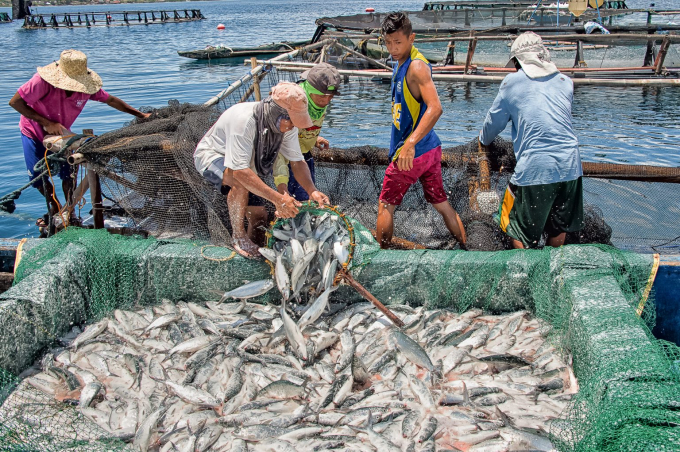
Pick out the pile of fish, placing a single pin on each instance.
(309, 375)
(219, 376)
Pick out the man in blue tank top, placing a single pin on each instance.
(415, 149)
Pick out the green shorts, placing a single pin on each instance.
(527, 211)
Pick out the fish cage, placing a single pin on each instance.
(110, 18)
(592, 303)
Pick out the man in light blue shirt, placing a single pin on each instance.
(545, 193)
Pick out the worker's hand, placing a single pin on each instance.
(282, 188)
(54, 128)
(319, 198)
(322, 143)
(286, 206)
(405, 159)
(145, 115)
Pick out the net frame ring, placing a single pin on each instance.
(313, 207)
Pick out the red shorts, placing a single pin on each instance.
(427, 168)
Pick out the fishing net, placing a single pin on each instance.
(148, 177)
(595, 298)
(587, 294)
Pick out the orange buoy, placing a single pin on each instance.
(370, 10)
(221, 27)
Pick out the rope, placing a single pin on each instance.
(54, 190)
(42, 167)
(217, 259)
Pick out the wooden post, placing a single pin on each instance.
(256, 81)
(96, 198)
(579, 60)
(322, 57)
(650, 54)
(471, 51)
(78, 194)
(661, 56)
(450, 53)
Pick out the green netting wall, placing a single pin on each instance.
(629, 396)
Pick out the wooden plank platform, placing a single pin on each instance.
(666, 292)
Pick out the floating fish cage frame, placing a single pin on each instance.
(110, 18)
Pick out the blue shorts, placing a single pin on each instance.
(214, 174)
(294, 188)
(34, 151)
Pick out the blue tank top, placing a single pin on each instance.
(407, 111)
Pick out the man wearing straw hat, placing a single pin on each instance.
(49, 104)
(545, 193)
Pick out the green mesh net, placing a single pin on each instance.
(588, 295)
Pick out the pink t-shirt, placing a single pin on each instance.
(53, 104)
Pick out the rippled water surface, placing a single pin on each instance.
(140, 64)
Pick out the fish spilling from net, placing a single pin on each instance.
(212, 377)
(306, 254)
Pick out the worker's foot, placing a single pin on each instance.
(246, 248)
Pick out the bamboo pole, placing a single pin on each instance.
(96, 198)
(361, 55)
(567, 69)
(256, 81)
(643, 173)
(470, 78)
(75, 159)
(439, 70)
(471, 51)
(661, 56)
(614, 38)
(253, 72)
(322, 55)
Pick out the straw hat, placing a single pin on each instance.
(532, 55)
(71, 73)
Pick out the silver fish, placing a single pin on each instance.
(282, 279)
(268, 254)
(315, 310)
(293, 334)
(411, 350)
(146, 428)
(193, 395)
(250, 290)
(90, 332)
(299, 268)
(89, 392)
